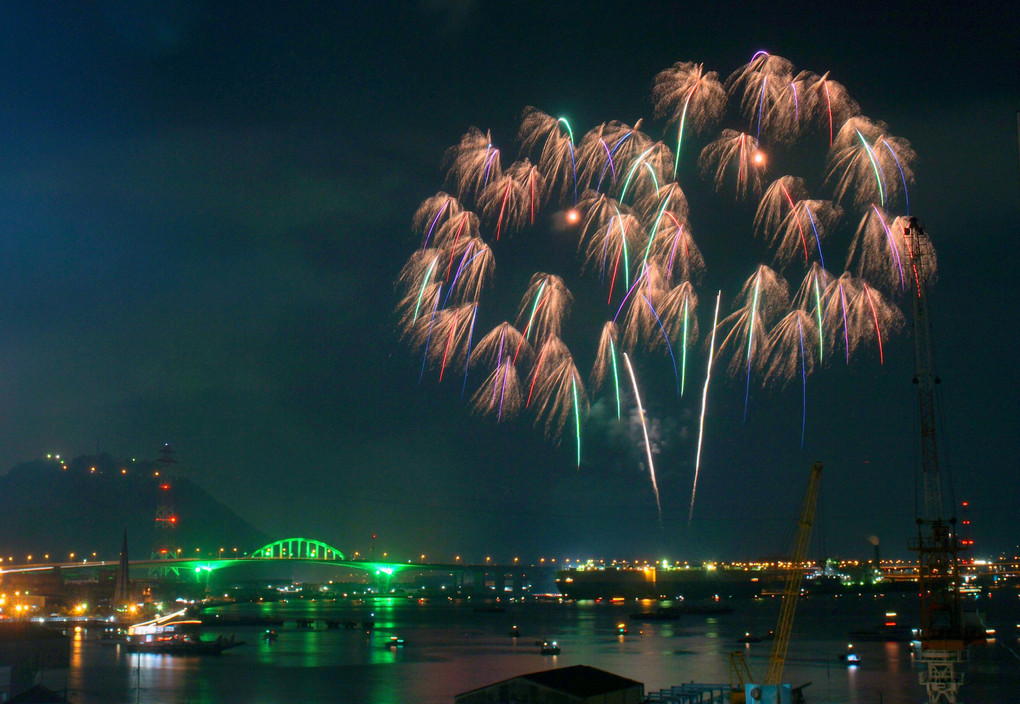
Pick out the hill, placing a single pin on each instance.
(83, 506)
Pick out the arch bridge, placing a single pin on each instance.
(299, 549)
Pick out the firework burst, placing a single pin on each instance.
(641, 264)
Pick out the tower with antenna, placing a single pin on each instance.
(165, 543)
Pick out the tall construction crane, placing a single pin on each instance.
(739, 672)
(937, 544)
(794, 576)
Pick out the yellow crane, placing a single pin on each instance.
(739, 672)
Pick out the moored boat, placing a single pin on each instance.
(173, 634)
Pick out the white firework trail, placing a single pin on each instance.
(704, 403)
(644, 429)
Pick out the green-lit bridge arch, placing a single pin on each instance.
(298, 549)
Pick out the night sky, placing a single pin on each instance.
(204, 208)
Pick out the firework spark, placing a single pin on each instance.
(877, 251)
(690, 98)
(767, 101)
(509, 201)
(472, 164)
(763, 296)
(869, 164)
(786, 355)
(544, 306)
(802, 231)
(734, 152)
(605, 362)
(550, 142)
(556, 393)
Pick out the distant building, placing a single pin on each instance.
(579, 684)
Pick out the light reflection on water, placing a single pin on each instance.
(450, 648)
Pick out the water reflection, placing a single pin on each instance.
(450, 648)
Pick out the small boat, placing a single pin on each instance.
(270, 635)
(749, 637)
(621, 628)
(550, 648)
(515, 632)
(850, 657)
(394, 642)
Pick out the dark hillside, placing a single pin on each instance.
(84, 505)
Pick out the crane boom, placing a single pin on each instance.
(942, 633)
(794, 576)
(920, 254)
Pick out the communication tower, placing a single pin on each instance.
(165, 544)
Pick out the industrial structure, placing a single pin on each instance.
(772, 690)
(937, 545)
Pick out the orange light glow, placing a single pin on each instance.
(573, 216)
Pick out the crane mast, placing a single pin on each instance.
(794, 576)
(942, 637)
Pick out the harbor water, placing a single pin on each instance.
(451, 647)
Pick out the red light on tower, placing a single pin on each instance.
(165, 542)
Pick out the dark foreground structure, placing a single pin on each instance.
(26, 650)
(579, 684)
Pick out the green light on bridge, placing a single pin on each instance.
(299, 549)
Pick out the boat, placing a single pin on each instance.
(515, 632)
(749, 638)
(173, 634)
(621, 628)
(550, 648)
(270, 635)
(850, 657)
(394, 642)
